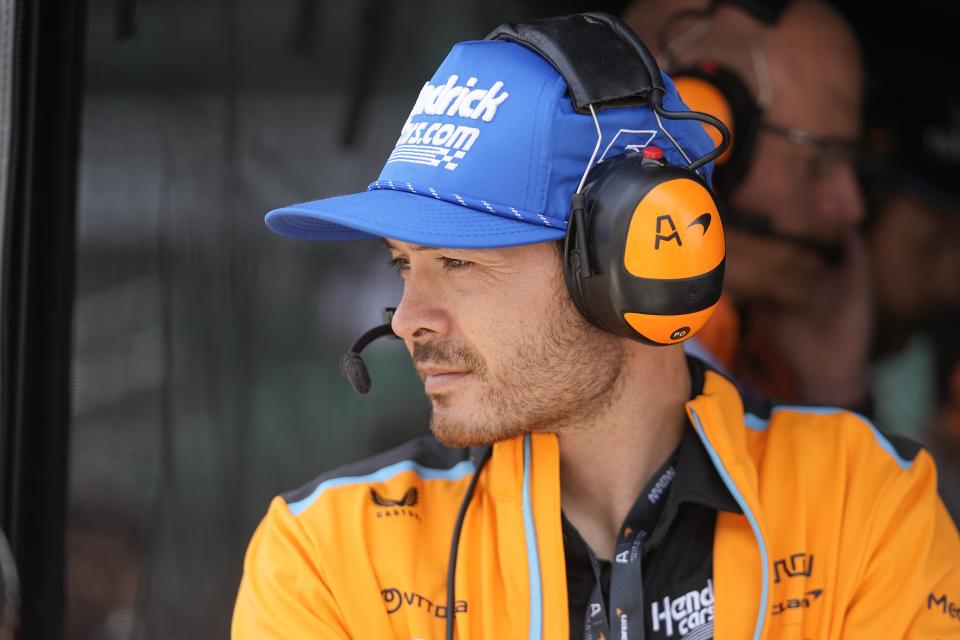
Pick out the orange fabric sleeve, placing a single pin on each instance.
(910, 586)
(283, 593)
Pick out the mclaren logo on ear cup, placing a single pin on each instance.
(671, 234)
(703, 220)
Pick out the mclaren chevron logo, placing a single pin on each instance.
(703, 220)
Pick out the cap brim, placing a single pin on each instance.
(406, 217)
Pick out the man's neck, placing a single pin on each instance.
(606, 460)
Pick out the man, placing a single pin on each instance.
(594, 486)
(795, 322)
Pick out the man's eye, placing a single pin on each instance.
(399, 264)
(455, 263)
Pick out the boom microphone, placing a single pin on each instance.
(352, 366)
(831, 253)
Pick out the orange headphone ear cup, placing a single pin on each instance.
(655, 242)
(717, 90)
(675, 238)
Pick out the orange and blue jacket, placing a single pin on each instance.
(363, 551)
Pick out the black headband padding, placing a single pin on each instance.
(602, 60)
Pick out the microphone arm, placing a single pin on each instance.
(757, 224)
(352, 365)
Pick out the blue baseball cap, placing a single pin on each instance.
(489, 157)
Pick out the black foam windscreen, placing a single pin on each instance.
(352, 366)
(354, 369)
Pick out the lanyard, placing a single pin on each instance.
(624, 618)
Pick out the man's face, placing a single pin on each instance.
(805, 188)
(500, 347)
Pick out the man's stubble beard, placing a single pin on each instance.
(565, 372)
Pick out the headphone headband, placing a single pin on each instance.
(644, 252)
(612, 69)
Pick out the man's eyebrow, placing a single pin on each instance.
(416, 247)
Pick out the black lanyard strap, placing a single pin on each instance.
(623, 619)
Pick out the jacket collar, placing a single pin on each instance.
(523, 477)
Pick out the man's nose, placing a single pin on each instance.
(840, 197)
(420, 313)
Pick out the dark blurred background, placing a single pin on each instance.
(201, 350)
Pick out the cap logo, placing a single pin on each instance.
(462, 100)
(435, 143)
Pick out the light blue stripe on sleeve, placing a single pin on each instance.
(459, 470)
(759, 424)
(755, 422)
(695, 347)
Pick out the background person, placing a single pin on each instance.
(796, 317)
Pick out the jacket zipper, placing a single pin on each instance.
(751, 518)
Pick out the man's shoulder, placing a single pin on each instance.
(420, 459)
(831, 439)
(808, 433)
